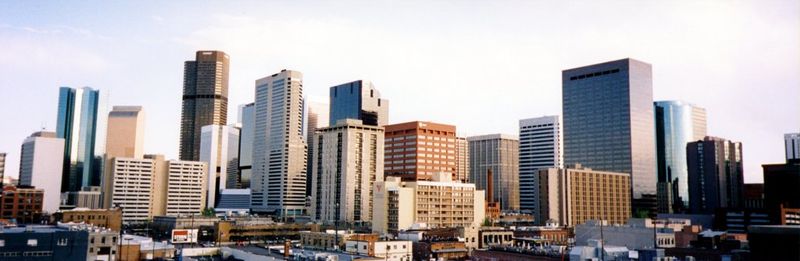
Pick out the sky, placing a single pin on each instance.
(480, 65)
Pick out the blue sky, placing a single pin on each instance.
(479, 65)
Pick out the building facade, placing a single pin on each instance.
(348, 161)
(462, 159)
(82, 124)
(573, 195)
(247, 115)
(23, 204)
(358, 100)
(108, 218)
(781, 183)
(609, 123)
(540, 144)
(36, 168)
(186, 184)
(205, 99)
(716, 178)
(417, 150)
(279, 153)
(219, 148)
(133, 188)
(677, 124)
(441, 202)
(125, 139)
(3, 167)
(792, 144)
(317, 115)
(500, 153)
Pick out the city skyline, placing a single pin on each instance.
(712, 71)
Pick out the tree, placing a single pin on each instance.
(487, 222)
(207, 212)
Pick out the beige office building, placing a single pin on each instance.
(462, 159)
(441, 202)
(574, 195)
(186, 185)
(125, 139)
(348, 161)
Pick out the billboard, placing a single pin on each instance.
(184, 236)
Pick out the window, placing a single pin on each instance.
(33, 242)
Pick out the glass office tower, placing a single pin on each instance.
(358, 100)
(677, 123)
(608, 123)
(81, 123)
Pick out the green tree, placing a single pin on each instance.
(487, 222)
(207, 212)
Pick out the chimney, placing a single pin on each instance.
(489, 186)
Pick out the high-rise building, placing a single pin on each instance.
(440, 202)
(205, 98)
(125, 139)
(3, 167)
(462, 159)
(715, 177)
(317, 116)
(132, 189)
(608, 123)
(82, 125)
(781, 185)
(358, 100)
(39, 167)
(792, 143)
(677, 124)
(279, 153)
(186, 185)
(247, 117)
(348, 161)
(219, 148)
(498, 152)
(417, 150)
(573, 195)
(539, 147)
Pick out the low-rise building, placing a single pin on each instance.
(332, 240)
(495, 236)
(550, 234)
(22, 204)
(62, 242)
(135, 248)
(634, 235)
(387, 250)
(246, 229)
(108, 218)
(775, 242)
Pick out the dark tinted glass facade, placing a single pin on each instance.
(81, 123)
(358, 100)
(608, 121)
(205, 99)
(715, 175)
(677, 123)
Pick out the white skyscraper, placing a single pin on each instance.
(132, 188)
(40, 167)
(792, 142)
(186, 187)
(219, 148)
(539, 147)
(348, 161)
(317, 116)
(247, 118)
(279, 152)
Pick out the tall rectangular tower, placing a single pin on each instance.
(792, 143)
(608, 123)
(348, 162)
(462, 159)
(40, 167)
(498, 152)
(715, 174)
(82, 124)
(417, 150)
(539, 147)
(317, 116)
(219, 148)
(358, 100)
(677, 123)
(125, 139)
(279, 152)
(205, 99)
(247, 115)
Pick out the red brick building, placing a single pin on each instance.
(21, 204)
(416, 150)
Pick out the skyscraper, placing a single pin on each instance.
(792, 143)
(279, 152)
(82, 124)
(417, 150)
(219, 148)
(247, 116)
(348, 161)
(317, 116)
(498, 152)
(715, 177)
(205, 99)
(186, 183)
(677, 124)
(125, 139)
(3, 168)
(358, 100)
(462, 159)
(608, 123)
(40, 167)
(539, 147)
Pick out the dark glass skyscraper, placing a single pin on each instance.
(358, 100)
(205, 99)
(715, 175)
(82, 124)
(608, 123)
(677, 123)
